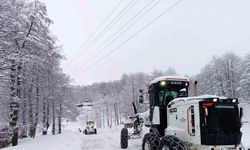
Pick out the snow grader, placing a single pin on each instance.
(179, 122)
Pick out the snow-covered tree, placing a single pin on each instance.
(32, 82)
(245, 77)
(221, 76)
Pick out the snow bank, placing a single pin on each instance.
(70, 139)
(65, 141)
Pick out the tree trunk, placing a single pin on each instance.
(44, 119)
(103, 118)
(47, 117)
(60, 117)
(53, 117)
(116, 113)
(14, 101)
(24, 121)
(107, 114)
(120, 114)
(31, 119)
(36, 108)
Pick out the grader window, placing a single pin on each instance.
(166, 96)
(161, 98)
(161, 93)
(191, 121)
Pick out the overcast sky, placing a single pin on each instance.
(185, 38)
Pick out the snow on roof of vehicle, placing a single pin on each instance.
(175, 78)
(90, 121)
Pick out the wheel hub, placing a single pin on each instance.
(147, 146)
(165, 148)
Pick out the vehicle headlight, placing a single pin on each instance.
(215, 100)
(163, 83)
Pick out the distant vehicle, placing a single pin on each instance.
(90, 127)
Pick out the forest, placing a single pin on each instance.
(33, 89)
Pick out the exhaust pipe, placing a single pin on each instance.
(195, 88)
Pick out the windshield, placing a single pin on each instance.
(162, 92)
(166, 96)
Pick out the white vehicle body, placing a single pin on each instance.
(184, 122)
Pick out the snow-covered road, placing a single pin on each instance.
(72, 139)
(102, 140)
(106, 139)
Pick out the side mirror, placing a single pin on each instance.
(141, 99)
(241, 112)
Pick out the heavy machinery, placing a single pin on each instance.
(179, 122)
(132, 128)
(90, 127)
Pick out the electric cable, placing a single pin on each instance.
(139, 31)
(94, 32)
(122, 12)
(119, 32)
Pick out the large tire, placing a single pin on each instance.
(150, 141)
(170, 142)
(124, 138)
(95, 131)
(85, 131)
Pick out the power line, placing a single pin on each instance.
(142, 29)
(114, 37)
(106, 18)
(122, 12)
(93, 33)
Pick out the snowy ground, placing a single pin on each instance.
(106, 139)
(69, 140)
(72, 139)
